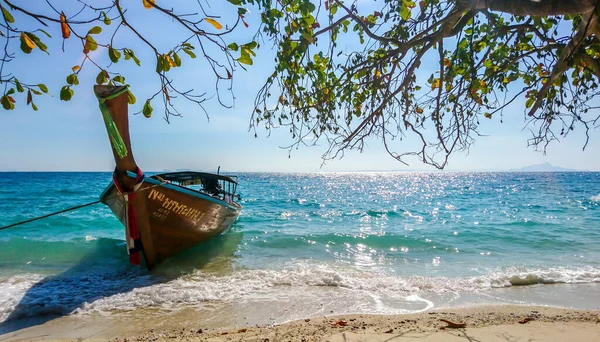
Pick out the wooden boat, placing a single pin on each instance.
(166, 213)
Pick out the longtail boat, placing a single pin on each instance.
(166, 213)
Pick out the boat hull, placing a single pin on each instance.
(172, 218)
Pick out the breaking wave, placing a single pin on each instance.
(101, 293)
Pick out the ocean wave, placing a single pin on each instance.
(306, 202)
(596, 198)
(318, 280)
(383, 213)
(379, 240)
(126, 290)
(32, 295)
(339, 215)
(555, 275)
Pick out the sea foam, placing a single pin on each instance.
(300, 281)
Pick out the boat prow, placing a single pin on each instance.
(166, 213)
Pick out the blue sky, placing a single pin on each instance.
(66, 136)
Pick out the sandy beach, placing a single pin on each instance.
(484, 323)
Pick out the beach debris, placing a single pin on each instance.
(242, 330)
(389, 331)
(453, 325)
(340, 323)
(526, 319)
(200, 331)
(307, 320)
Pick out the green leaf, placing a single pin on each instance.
(7, 16)
(101, 78)
(245, 59)
(106, 19)
(72, 79)
(95, 30)
(113, 54)
(19, 86)
(7, 103)
(159, 64)
(308, 37)
(119, 79)
(25, 47)
(46, 33)
(10, 91)
(90, 43)
(34, 106)
(404, 12)
(162, 64)
(249, 51)
(37, 41)
(166, 66)
(177, 59)
(233, 46)
(529, 102)
(130, 54)
(66, 93)
(190, 53)
(130, 97)
(147, 110)
(135, 59)
(43, 87)
(35, 91)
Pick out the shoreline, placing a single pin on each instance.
(485, 323)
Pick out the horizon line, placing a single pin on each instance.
(329, 171)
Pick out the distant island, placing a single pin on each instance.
(544, 167)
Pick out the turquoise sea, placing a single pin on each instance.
(312, 244)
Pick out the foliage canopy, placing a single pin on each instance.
(400, 70)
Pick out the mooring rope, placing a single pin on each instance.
(75, 207)
(48, 215)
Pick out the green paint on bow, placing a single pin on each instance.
(113, 133)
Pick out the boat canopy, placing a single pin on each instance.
(213, 184)
(194, 177)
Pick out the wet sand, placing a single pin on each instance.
(484, 323)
